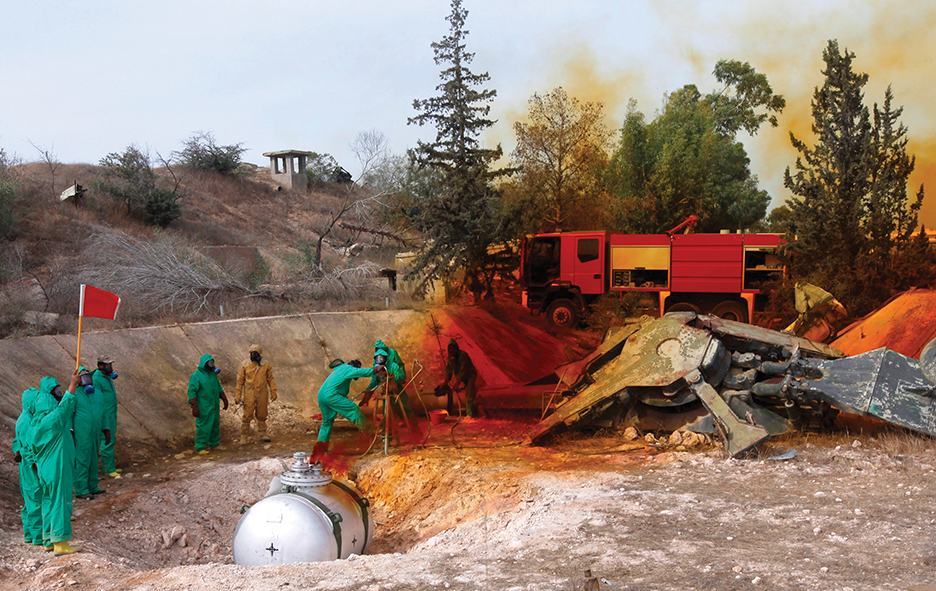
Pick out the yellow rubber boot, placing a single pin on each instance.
(48, 548)
(62, 548)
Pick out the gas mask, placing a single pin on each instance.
(255, 356)
(84, 381)
(107, 370)
(380, 360)
(57, 393)
(210, 366)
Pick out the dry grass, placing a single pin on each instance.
(61, 245)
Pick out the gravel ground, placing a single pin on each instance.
(475, 509)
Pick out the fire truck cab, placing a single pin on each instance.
(563, 273)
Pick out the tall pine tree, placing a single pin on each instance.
(851, 215)
(463, 216)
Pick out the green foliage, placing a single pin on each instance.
(129, 178)
(851, 214)
(687, 161)
(778, 221)
(560, 151)
(7, 161)
(8, 191)
(202, 153)
(465, 213)
(161, 206)
(320, 169)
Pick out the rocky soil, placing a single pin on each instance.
(476, 509)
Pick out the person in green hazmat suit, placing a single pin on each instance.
(333, 400)
(87, 428)
(25, 456)
(204, 394)
(396, 374)
(54, 446)
(103, 381)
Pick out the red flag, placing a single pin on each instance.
(97, 303)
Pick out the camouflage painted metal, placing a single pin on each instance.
(749, 383)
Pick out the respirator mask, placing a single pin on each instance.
(84, 381)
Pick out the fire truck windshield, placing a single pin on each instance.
(543, 259)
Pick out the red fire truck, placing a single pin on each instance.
(563, 273)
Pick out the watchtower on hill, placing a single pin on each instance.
(288, 167)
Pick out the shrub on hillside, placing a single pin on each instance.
(202, 153)
(129, 178)
(8, 190)
(322, 169)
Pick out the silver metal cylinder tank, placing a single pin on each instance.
(306, 516)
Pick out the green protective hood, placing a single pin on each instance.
(453, 343)
(383, 352)
(47, 384)
(204, 360)
(29, 399)
(378, 344)
(45, 402)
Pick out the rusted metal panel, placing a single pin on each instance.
(905, 324)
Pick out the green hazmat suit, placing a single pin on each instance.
(31, 514)
(333, 399)
(87, 426)
(205, 387)
(55, 458)
(105, 385)
(395, 370)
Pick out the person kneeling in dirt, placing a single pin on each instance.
(254, 379)
(333, 400)
(459, 364)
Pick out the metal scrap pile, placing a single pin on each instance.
(739, 381)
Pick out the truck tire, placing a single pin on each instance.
(563, 313)
(731, 310)
(684, 307)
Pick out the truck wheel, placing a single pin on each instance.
(684, 307)
(563, 313)
(731, 310)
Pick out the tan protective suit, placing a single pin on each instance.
(253, 379)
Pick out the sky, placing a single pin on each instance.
(84, 79)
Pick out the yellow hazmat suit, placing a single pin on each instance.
(254, 379)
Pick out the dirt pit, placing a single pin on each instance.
(474, 509)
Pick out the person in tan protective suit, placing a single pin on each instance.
(254, 377)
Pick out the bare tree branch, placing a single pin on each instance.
(48, 156)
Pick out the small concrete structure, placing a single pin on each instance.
(288, 167)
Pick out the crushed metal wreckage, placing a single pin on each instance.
(741, 382)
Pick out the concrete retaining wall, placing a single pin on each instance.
(155, 363)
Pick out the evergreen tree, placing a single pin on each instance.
(851, 213)
(833, 177)
(464, 215)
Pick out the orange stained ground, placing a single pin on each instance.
(904, 324)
